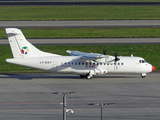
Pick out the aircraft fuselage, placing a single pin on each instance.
(76, 65)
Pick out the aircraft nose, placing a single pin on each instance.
(153, 68)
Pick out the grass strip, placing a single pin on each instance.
(88, 33)
(149, 52)
(79, 13)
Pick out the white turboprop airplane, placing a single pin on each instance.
(84, 64)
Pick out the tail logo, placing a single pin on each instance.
(25, 50)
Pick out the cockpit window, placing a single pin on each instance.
(142, 61)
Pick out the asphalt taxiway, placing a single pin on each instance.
(29, 96)
(90, 41)
(70, 2)
(80, 23)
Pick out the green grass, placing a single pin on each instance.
(79, 12)
(88, 33)
(149, 52)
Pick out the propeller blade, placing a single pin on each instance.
(104, 51)
(116, 58)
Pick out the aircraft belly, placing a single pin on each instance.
(80, 72)
(31, 63)
(64, 70)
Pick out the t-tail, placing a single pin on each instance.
(21, 48)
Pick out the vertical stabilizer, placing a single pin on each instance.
(20, 47)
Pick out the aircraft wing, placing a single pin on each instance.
(84, 55)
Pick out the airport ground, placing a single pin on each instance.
(29, 96)
(91, 41)
(78, 2)
(81, 24)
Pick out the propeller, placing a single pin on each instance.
(116, 59)
(104, 53)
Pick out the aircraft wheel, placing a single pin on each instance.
(143, 75)
(88, 76)
(82, 76)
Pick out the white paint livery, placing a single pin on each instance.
(80, 63)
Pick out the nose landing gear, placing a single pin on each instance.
(143, 75)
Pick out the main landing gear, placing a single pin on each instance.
(87, 76)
